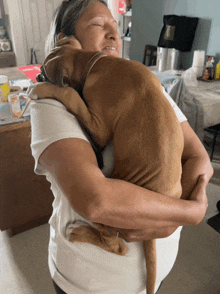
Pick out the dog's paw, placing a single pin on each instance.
(30, 93)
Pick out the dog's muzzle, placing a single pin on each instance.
(41, 78)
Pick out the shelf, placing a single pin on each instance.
(126, 38)
(126, 34)
(7, 59)
(128, 13)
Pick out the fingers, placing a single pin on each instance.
(69, 40)
(201, 184)
(203, 180)
(65, 40)
(200, 200)
(63, 47)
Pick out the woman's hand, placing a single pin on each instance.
(197, 198)
(199, 193)
(69, 40)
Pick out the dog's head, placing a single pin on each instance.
(59, 67)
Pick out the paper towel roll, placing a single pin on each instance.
(199, 58)
(162, 54)
(198, 70)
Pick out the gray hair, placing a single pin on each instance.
(65, 19)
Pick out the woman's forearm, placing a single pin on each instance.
(129, 206)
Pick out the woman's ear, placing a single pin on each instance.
(60, 36)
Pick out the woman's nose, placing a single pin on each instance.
(113, 33)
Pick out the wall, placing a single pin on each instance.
(146, 26)
(28, 23)
(148, 22)
(113, 6)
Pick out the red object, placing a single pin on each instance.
(31, 71)
(121, 7)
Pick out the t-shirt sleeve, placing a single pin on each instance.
(51, 122)
(181, 117)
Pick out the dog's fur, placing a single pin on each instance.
(124, 104)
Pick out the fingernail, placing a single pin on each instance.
(32, 96)
(204, 177)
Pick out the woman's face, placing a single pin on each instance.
(96, 30)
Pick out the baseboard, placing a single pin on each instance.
(214, 222)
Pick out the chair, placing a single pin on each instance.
(150, 53)
(215, 130)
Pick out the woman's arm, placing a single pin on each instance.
(195, 161)
(111, 202)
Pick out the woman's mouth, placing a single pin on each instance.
(110, 48)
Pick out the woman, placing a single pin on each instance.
(84, 193)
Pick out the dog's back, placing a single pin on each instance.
(146, 133)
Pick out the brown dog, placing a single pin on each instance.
(124, 103)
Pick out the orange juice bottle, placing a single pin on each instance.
(4, 88)
(217, 71)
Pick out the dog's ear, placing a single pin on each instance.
(65, 81)
(55, 73)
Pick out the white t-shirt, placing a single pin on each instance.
(82, 268)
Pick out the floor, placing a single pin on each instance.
(23, 266)
(23, 258)
(213, 191)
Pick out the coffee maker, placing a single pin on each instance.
(176, 36)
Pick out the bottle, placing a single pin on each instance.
(208, 73)
(212, 70)
(217, 71)
(128, 31)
